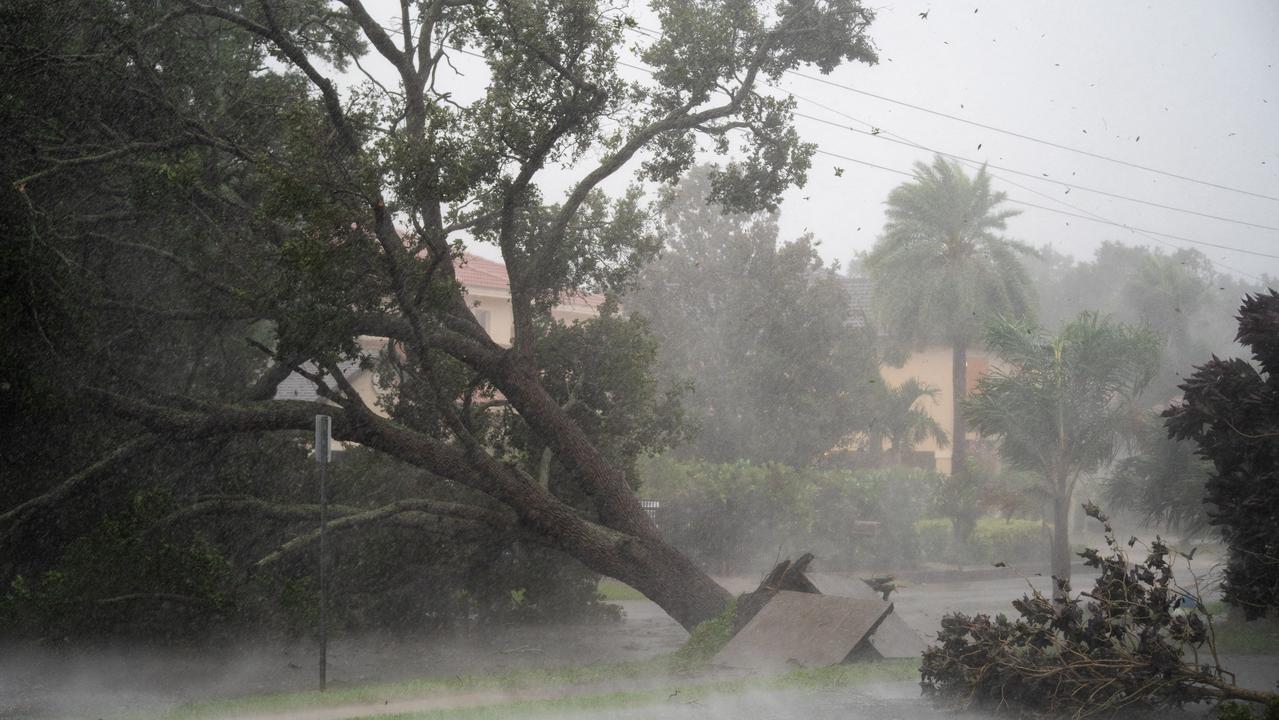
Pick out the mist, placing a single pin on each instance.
(673, 359)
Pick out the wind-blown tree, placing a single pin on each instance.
(761, 331)
(896, 417)
(941, 270)
(1059, 404)
(327, 213)
(1177, 294)
(1230, 409)
(1162, 479)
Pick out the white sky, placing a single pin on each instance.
(1198, 82)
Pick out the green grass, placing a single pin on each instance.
(617, 590)
(1259, 637)
(829, 678)
(423, 687)
(665, 674)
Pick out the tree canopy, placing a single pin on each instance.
(1178, 294)
(763, 333)
(1060, 403)
(1230, 409)
(254, 194)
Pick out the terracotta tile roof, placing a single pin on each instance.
(475, 271)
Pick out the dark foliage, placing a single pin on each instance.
(1137, 639)
(1231, 410)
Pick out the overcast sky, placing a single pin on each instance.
(1189, 88)
(1198, 83)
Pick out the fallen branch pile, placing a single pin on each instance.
(1137, 639)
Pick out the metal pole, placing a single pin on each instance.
(322, 427)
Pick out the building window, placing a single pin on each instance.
(483, 317)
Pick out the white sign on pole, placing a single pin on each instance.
(323, 438)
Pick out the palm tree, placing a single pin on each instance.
(1061, 404)
(897, 419)
(941, 271)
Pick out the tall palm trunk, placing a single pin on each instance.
(1061, 538)
(959, 429)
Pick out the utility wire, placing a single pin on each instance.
(848, 88)
(1022, 136)
(890, 137)
(1086, 214)
(1045, 208)
(904, 141)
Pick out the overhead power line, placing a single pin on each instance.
(1045, 208)
(1031, 138)
(889, 137)
(649, 32)
(1093, 218)
(1086, 214)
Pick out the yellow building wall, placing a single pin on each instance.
(494, 309)
(931, 366)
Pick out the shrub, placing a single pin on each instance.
(737, 517)
(1230, 409)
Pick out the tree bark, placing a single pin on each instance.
(959, 429)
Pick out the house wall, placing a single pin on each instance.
(931, 366)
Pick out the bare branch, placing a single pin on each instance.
(296, 55)
(438, 508)
(123, 151)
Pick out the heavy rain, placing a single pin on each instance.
(683, 358)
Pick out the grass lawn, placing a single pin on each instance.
(830, 678)
(576, 689)
(617, 590)
(1259, 637)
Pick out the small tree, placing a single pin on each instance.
(1162, 480)
(1059, 403)
(1231, 409)
(897, 419)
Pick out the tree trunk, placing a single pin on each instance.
(959, 429)
(1061, 539)
(665, 576)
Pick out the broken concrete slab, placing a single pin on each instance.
(797, 629)
(894, 638)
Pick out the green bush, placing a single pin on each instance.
(738, 517)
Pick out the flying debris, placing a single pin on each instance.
(924, 14)
(1001, 563)
(979, 146)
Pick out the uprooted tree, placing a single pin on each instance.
(1138, 639)
(198, 168)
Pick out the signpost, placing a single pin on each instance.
(323, 453)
